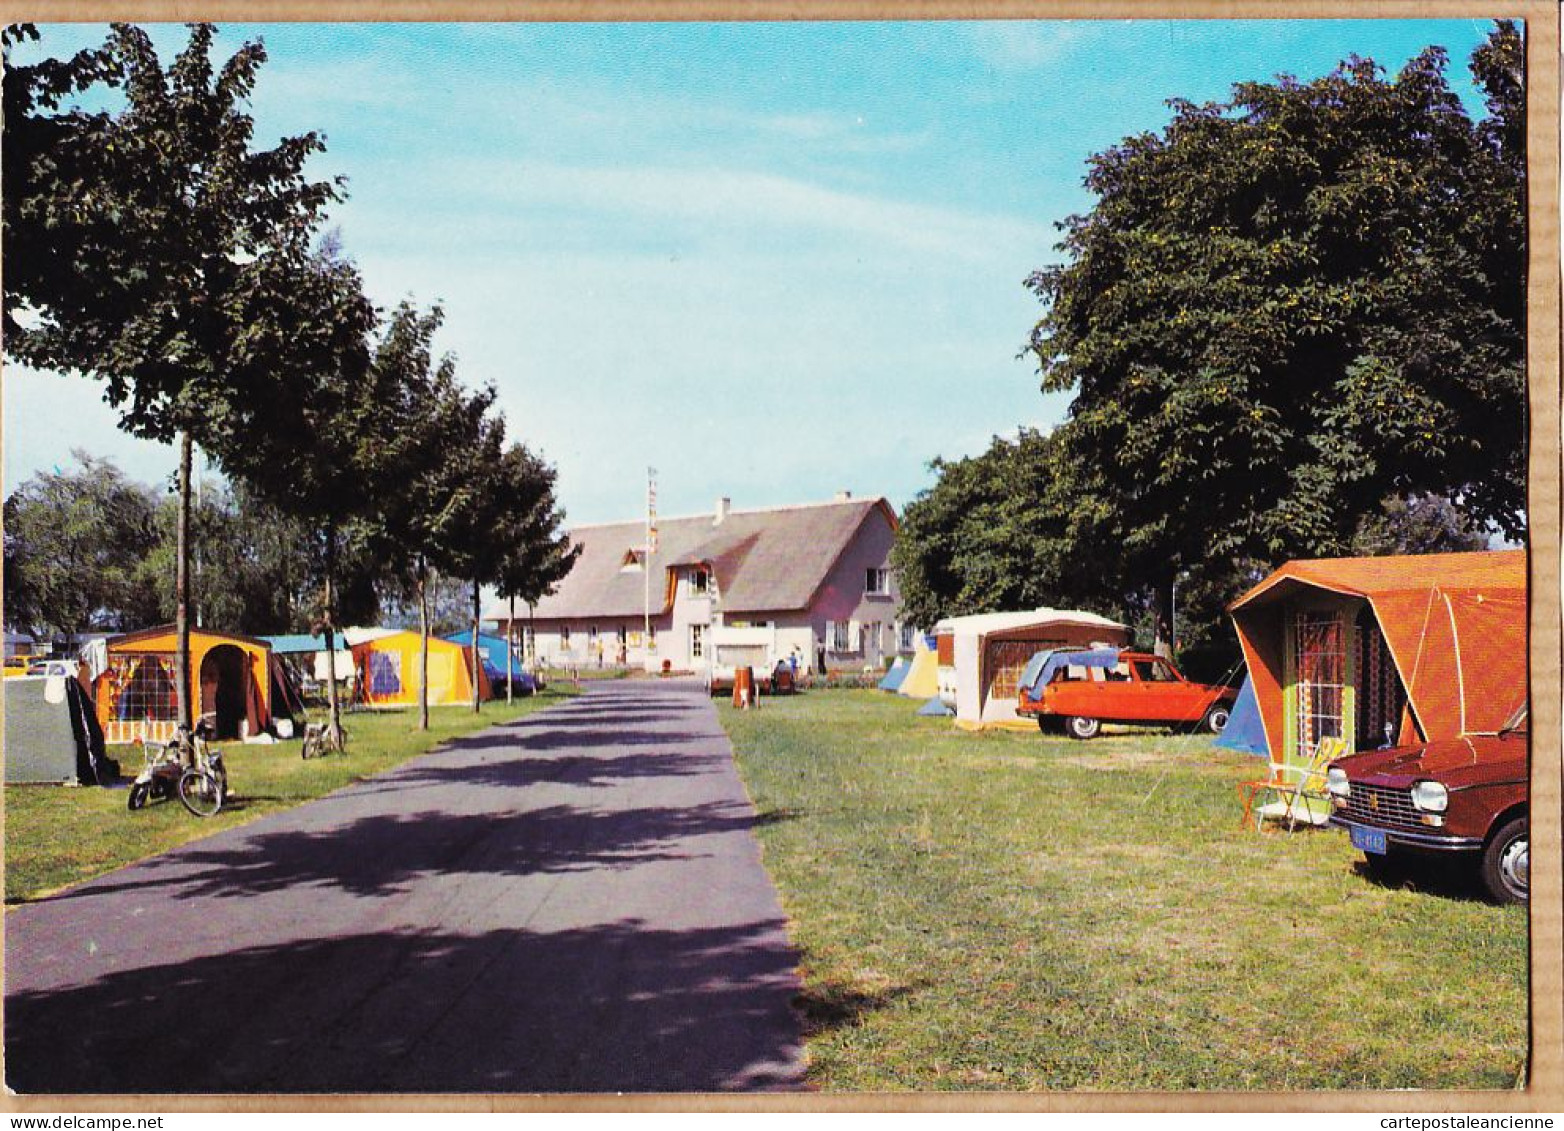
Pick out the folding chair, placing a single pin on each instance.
(1297, 789)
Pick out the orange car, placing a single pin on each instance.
(1081, 690)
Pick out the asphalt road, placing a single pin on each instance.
(572, 902)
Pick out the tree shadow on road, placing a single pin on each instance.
(616, 1007)
(387, 853)
(474, 766)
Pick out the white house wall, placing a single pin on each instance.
(842, 598)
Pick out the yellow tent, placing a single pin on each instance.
(922, 679)
(387, 670)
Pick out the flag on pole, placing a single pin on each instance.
(651, 510)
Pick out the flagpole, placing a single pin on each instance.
(648, 660)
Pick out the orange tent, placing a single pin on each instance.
(230, 681)
(1431, 646)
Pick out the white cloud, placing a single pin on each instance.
(348, 86)
(499, 200)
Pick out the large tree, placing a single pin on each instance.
(997, 531)
(174, 224)
(74, 544)
(1287, 308)
(536, 551)
(252, 570)
(319, 445)
(438, 460)
(43, 161)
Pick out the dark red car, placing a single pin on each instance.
(1465, 798)
(1082, 690)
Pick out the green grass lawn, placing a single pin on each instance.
(56, 835)
(1013, 911)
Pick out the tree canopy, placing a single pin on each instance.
(75, 542)
(1285, 308)
(1293, 325)
(169, 258)
(173, 225)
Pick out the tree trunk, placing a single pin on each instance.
(186, 710)
(1162, 617)
(329, 628)
(477, 672)
(510, 650)
(423, 643)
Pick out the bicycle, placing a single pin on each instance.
(317, 743)
(186, 767)
(203, 787)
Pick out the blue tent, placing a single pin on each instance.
(1244, 731)
(296, 643)
(1042, 666)
(897, 673)
(935, 708)
(492, 651)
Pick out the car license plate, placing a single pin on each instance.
(1368, 840)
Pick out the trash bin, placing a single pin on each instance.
(743, 687)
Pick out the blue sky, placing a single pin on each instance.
(772, 260)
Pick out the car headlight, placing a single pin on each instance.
(1430, 796)
(1336, 783)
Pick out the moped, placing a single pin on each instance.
(200, 781)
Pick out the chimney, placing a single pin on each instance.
(844, 496)
(724, 505)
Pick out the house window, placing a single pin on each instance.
(696, 631)
(529, 641)
(841, 637)
(651, 637)
(871, 636)
(624, 635)
(906, 637)
(564, 637)
(592, 636)
(877, 583)
(700, 581)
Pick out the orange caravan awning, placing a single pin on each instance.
(1455, 625)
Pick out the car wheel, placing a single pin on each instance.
(1078, 726)
(1507, 862)
(1216, 718)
